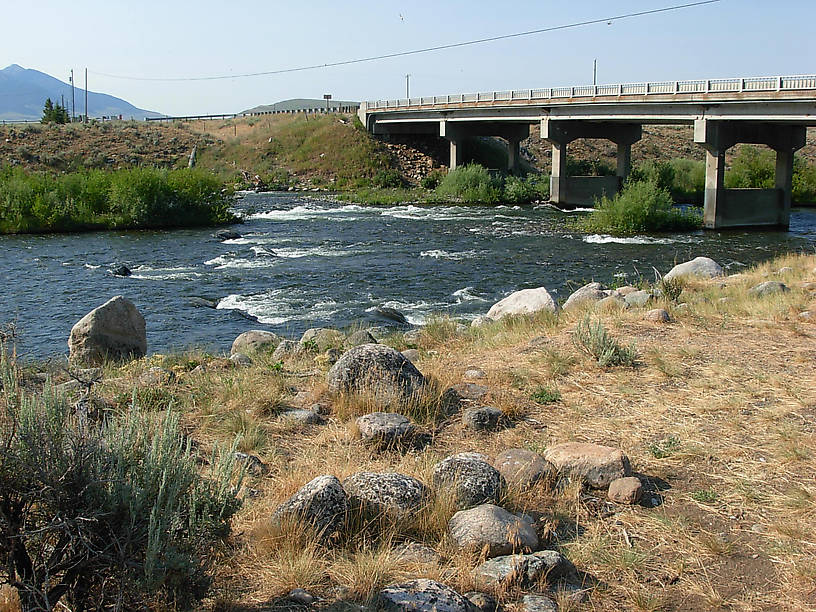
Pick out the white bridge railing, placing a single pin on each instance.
(704, 86)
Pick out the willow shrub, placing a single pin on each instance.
(640, 207)
(471, 184)
(121, 199)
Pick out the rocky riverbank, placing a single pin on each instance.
(643, 447)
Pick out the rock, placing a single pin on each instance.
(492, 530)
(612, 302)
(538, 603)
(121, 270)
(254, 341)
(362, 336)
(302, 416)
(115, 330)
(806, 315)
(254, 465)
(377, 370)
(637, 299)
(200, 302)
(411, 355)
(593, 292)
(412, 336)
(657, 315)
(768, 288)
(523, 468)
(155, 377)
(703, 267)
(596, 465)
(225, 234)
(626, 290)
(475, 374)
(422, 595)
(524, 302)
(470, 391)
(240, 359)
(625, 490)
(483, 418)
(385, 429)
(301, 597)
(784, 270)
(523, 570)
(322, 339)
(288, 349)
(321, 503)
(470, 478)
(479, 321)
(414, 552)
(388, 494)
(392, 314)
(482, 601)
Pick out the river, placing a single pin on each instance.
(307, 262)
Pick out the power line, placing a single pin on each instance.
(417, 51)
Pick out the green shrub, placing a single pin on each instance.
(546, 395)
(639, 207)
(593, 339)
(471, 184)
(431, 180)
(523, 190)
(387, 178)
(588, 167)
(689, 181)
(751, 168)
(671, 288)
(661, 173)
(104, 515)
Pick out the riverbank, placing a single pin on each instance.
(715, 418)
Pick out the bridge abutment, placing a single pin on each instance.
(584, 190)
(726, 208)
(457, 132)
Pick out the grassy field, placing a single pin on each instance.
(716, 415)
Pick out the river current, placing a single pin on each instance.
(306, 262)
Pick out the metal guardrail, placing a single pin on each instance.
(703, 86)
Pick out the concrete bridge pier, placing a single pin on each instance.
(583, 190)
(726, 208)
(457, 132)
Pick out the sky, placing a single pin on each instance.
(185, 38)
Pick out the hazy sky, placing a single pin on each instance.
(181, 38)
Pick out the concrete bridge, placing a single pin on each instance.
(774, 111)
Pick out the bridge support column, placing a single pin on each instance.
(747, 207)
(584, 190)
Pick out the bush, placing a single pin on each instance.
(660, 173)
(431, 180)
(523, 190)
(587, 167)
(471, 184)
(639, 207)
(593, 339)
(387, 178)
(104, 515)
(689, 181)
(752, 168)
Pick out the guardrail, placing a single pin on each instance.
(703, 86)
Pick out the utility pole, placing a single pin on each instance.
(595, 72)
(73, 107)
(86, 95)
(407, 85)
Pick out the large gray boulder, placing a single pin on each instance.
(385, 494)
(114, 330)
(523, 570)
(322, 504)
(592, 292)
(470, 478)
(422, 595)
(254, 341)
(482, 418)
(377, 370)
(595, 465)
(323, 338)
(638, 298)
(524, 302)
(702, 267)
(361, 336)
(523, 468)
(288, 349)
(491, 530)
(768, 288)
(385, 429)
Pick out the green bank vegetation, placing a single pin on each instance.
(122, 199)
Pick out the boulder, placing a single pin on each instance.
(470, 478)
(657, 315)
(637, 298)
(362, 336)
(288, 349)
(523, 570)
(385, 429)
(702, 267)
(625, 490)
(524, 302)
(538, 603)
(768, 288)
(595, 465)
(115, 330)
(225, 234)
(240, 359)
(483, 418)
(155, 377)
(422, 595)
(377, 370)
(321, 503)
(626, 290)
(303, 416)
(411, 355)
(470, 391)
(386, 494)
(484, 602)
(254, 341)
(121, 270)
(493, 530)
(322, 338)
(593, 292)
(475, 374)
(392, 314)
(523, 468)
(301, 597)
(414, 552)
(612, 302)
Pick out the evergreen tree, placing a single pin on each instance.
(48, 112)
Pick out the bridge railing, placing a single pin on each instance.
(703, 86)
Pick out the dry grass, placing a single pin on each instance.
(718, 419)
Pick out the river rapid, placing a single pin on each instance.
(306, 262)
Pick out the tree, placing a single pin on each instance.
(54, 113)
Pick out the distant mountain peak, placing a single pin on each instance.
(13, 68)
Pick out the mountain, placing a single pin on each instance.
(23, 93)
(299, 104)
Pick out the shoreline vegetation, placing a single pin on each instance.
(709, 405)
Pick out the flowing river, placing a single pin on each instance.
(306, 262)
